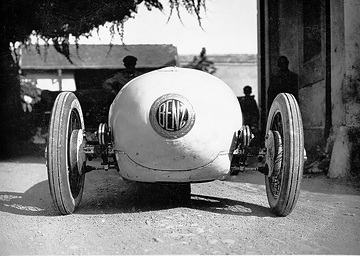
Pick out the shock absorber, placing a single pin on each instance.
(244, 137)
(103, 134)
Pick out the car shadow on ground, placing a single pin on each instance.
(228, 206)
(123, 197)
(153, 197)
(36, 201)
(109, 194)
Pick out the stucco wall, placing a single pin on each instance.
(329, 72)
(351, 92)
(289, 33)
(311, 73)
(345, 87)
(337, 62)
(50, 81)
(313, 114)
(345, 63)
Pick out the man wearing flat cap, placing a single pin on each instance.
(116, 82)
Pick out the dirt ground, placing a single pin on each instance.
(223, 217)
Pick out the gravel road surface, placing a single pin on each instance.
(223, 217)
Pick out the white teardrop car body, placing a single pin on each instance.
(174, 125)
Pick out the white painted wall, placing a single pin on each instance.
(238, 75)
(51, 82)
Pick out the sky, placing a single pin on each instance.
(228, 27)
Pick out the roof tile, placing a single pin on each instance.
(98, 56)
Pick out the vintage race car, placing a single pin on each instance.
(174, 126)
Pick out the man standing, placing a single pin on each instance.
(249, 109)
(250, 116)
(116, 82)
(284, 81)
(250, 113)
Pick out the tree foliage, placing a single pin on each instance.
(57, 19)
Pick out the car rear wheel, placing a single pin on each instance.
(65, 157)
(285, 154)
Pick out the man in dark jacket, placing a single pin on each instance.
(284, 81)
(116, 82)
(249, 109)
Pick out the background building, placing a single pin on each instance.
(88, 66)
(237, 70)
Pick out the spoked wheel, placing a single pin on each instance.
(285, 154)
(65, 157)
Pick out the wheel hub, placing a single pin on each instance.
(77, 155)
